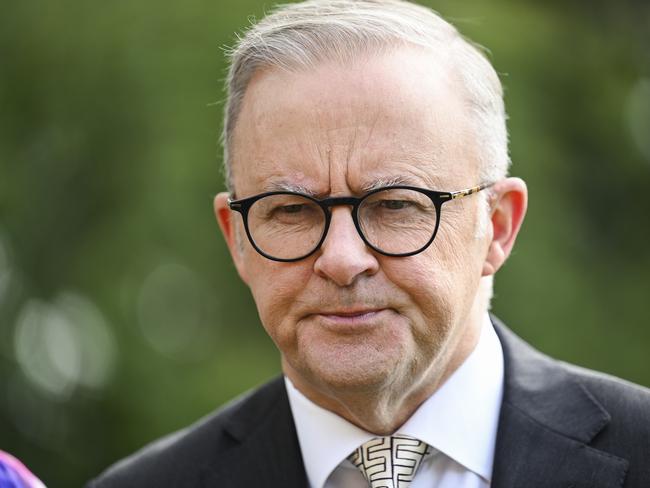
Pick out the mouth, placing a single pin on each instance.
(354, 318)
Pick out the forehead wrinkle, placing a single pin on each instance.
(356, 145)
(348, 132)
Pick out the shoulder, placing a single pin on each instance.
(574, 409)
(535, 376)
(614, 390)
(177, 459)
(627, 432)
(628, 404)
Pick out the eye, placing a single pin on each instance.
(395, 204)
(291, 209)
(294, 211)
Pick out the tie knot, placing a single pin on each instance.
(389, 462)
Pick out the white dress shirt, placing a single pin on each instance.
(459, 421)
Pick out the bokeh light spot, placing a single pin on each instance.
(176, 313)
(637, 115)
(64, 345)
(94, 338)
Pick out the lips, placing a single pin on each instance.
(350, 313)
(351, 320)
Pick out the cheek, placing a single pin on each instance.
(276, 288)
(462, 264)
(428, 286)
(458, 246)
(441, 282)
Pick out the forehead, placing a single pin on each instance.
(395, 116)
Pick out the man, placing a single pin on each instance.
(368, 211)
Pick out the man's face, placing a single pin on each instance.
(347, 318)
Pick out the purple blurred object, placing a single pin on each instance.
(14, 474)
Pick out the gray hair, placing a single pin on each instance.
(299, 36)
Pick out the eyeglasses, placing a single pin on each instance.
(394, 221)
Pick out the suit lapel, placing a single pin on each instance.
(266, 452)
(546, 423)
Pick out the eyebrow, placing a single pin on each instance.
(381, 182)
(282, 185)
(384, 181)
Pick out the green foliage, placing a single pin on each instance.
(121, 313)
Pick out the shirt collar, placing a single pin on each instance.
(450, 420)
(325, 438)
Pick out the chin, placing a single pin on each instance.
(362, 369)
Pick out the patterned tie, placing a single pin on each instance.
(389, 462)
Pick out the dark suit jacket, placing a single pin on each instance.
(560, 426)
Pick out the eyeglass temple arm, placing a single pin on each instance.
(469, 191)
(234, 205)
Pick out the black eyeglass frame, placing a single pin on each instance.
(243, 205)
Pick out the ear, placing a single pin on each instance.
(507, 210)
(230, 232)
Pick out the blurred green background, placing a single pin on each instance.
(121, 316)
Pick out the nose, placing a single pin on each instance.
(344, 256)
